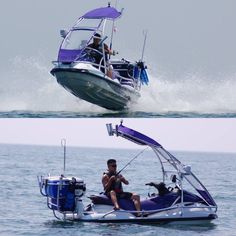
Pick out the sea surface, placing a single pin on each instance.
(24, 210)
(107, 114)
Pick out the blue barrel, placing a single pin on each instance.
(66, 199)
(53, 185)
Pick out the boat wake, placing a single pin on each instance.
(33, 92)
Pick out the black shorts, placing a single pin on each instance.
(124, 195)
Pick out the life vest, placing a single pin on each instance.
(116, 185)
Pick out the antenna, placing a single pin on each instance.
(63, 144)
(145, 32)
(113, 26)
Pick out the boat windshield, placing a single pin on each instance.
(87, 23)
(77, 39)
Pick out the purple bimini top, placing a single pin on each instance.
(103, 13)
(136, 137)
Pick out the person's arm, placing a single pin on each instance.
(108, 50)
(107, 182)
(123, 180)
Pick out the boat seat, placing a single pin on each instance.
(159, 202)
(126, 204)
(153, 203)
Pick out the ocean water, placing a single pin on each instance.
(28, 90)
(24, 210)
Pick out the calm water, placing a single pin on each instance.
(24, 211)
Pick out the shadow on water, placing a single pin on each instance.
(200, 227)
(85, 228)
(60, 224)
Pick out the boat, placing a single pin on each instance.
(89, 73)
(180, 197)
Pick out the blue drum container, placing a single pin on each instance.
(61, 194)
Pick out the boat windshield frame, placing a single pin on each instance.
(71, 55)
(89, 30)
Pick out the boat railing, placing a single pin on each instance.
(41, 185)
(50, 204)
(143, 212)
(148, 212)
(126, 81)
(123, 80)
(104, 66)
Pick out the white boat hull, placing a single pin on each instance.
(93, 86)
(106, 214)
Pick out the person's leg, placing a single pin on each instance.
(136, 200)
(114, 200)
(109, 73)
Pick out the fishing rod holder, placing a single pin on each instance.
(110, 129)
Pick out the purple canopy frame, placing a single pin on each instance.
(135, 136)
(102, 14)
(142, 139)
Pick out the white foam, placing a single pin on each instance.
(194, 93)
(29, 86)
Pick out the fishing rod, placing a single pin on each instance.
(131, 161)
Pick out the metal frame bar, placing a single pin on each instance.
(175, 162)
(159, 210)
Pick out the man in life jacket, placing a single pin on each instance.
(112, 183)
(96, 45)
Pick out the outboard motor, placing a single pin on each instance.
(63, 194)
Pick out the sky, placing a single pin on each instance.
(184, 36)
(204, 135)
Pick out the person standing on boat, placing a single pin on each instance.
(112, 183)
(96, 45)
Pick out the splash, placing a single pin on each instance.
(194, 93)
(29, 86)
